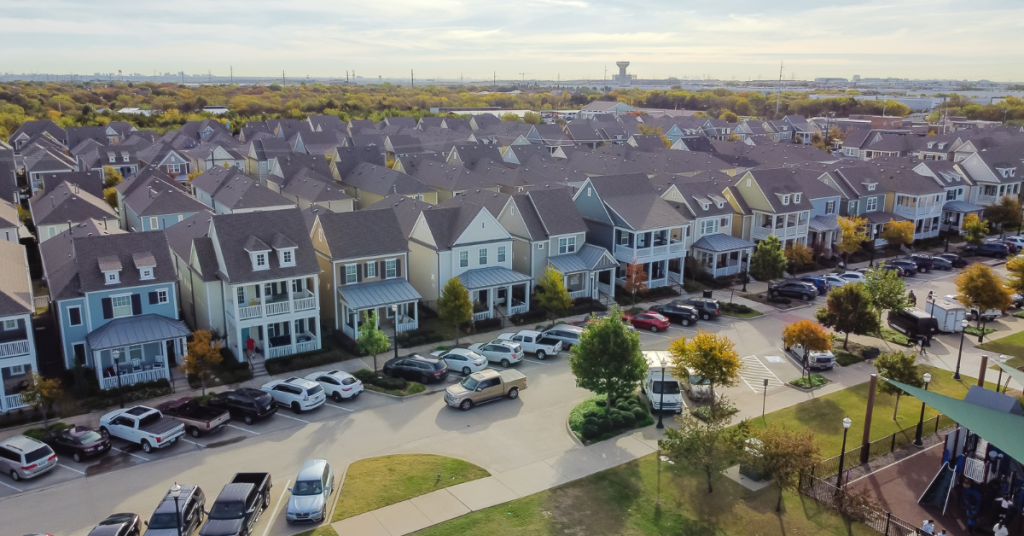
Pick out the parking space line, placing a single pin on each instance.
(130, 454)
(243, 429)
(70, 469)
(190, 441)
(753, 370)
(277, 508)
(279, 414)
(339, 407)
(535, 361)
(10, 486)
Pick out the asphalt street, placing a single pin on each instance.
(499, 436)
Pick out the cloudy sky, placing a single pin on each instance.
(545, 39)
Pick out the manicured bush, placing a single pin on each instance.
(604, 424)
(590, 431)
(419, 337)
(639, 413)
(628, 420)
(317, 358)
(617, 421)
(736, 308)
(782, 300)
(592, 421)
(601, 403)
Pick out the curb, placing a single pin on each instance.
(572, 434)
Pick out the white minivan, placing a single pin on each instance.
(660, 385)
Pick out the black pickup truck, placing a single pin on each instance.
(239, 505)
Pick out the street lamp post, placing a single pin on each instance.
(661, 403)
(117, 372)
(176, 492)
(1001, 359)
(920, 422)
(842, 453)
(960, 353)
(764, 399)
(394, 313)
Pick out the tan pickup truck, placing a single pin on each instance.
(484, 386)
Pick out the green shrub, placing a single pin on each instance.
(604, 424)
(628, 420)
(617, 421)
(782, 300)
(302, 361)
(703, 412)
(601, 403)
(639, 414)
(416, 387)
(590, 431)
(809, 382)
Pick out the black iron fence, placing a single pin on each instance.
(881, 521)
(881, 447)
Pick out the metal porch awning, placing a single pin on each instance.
(491, 277)
(136, 330)
(961, 206)
(720, 243)
(378, 294)
(588, 258)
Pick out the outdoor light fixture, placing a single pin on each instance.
(920, 423)
(963, 324)
(842, 453)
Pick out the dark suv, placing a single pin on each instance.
(415, 367)
(706, 307)
(187, 509)
(246, 404)
(924, 262)
(794, 289)
(999, 251)
(909, 267)
(956, 261)
(684, 314)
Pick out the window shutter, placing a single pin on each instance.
(153, 298)
(108, 308)
(398, 267)
(359, 273)
(380, 270)
(136, 304)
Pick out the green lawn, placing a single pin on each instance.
(621, 501)
(323, 530)
(377, 482)
(824, 414)
(749, 314)
(1011, 345)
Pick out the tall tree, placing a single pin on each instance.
(203, 356)
(706, 446)
(783, 454)
(808, 334)
(768, 261)
(1005, 213)
(899, 367)
(552, 294)
(636, 280)
(372, 340)
(607, 359)
(42, 393)
(111, 177)
(1015, 274)
(798, 255)
(898, 233)
(708, 355)
(848, 310)
(853, 232)
(979, 286)
(886, 290)
(975, 229)
(454, 307)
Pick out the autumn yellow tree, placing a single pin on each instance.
(636, 280)
(853, 232)
(42, 393)
(203, 356)
(898, 233)
(809, 335)
(975, 229)
(783, 454)
(979, 286)
(1015, 274)
(708, 355)
(648, 130)
(798, 255)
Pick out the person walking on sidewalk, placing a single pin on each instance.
(920, 347)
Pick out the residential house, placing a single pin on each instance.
(30, 131)
(228, 191)
(995, 172)
(9, 189)
(599, 107)
(858, 185)
(776, 201)
(626, 215)
(45, 157)
(367, 255)
(955, 206)
(306, 180)
(123, 159)
(370, 183)
(11, 228)
(445, 178)
(116, 303)
(157, 205)
(46, 182)
(261, 153)
(172, 161)
(916, 197)
(17, 342)
(64, 206)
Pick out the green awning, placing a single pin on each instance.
(1002, 429)
(1014, 373)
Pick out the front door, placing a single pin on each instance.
(169, 353)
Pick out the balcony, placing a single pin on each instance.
(304, 342)
(629, 253)
(14, 348)
(13, 402)
(131, 378)
(252, 311)
(918, 211)
(986, 200)
(278, 308)
(406, 324)
(793, 231)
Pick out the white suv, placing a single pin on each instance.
(338, 384)
(22, 457)
(499, 351)
(297, 393)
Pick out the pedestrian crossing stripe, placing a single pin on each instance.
(753, 373)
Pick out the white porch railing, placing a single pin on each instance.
(579, 294)
(278, 308)
(793, 231)
(675, 247)
(482, 315)
(279, 351)
(519, 309)
(659, 250)
(406, 324)
(306, 346)
(627, 253)
(985, 200)
(131, 378)
(252, 311)
(14, 402)
(974, 469)
(304, 304)
(14, 348)
(40, 302)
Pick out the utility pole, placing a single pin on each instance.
(283, 83)
(232, 68)
(412, 79)
(494, 80)
(778, 96)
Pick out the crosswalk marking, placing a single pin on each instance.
(753, 373)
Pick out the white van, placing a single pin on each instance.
(655, 387)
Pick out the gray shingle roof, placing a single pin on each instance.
(233, 233)
(365, 233)
(447, 224)
(66, 203)
(91, 252)
(15, 288)
(380, 180)
(236, 190)
(634, 199)
(557, 211)
(193, 232)
(158, 198)
(589, 257)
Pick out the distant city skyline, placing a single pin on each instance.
(531, 39)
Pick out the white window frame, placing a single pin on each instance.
(371, 269)
(871, 205)
(113, 277)
(260, 262)
(114, 307)
(146, 272)
(80, 319)
(351, 274)
(785, 199)
(830, 207)
(287, 257)
(482, 256)
(240, 296)
(162, 296)
(10, 324)
(154, 223)
(852, 207)
(18, 370)
(390, 268)
(501, 253)
(464, 259)
(566, 245)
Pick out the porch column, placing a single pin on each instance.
(291, 335)
(508, 300)
(263, 297)
(527, 284)
(415, 314)
(490, 302)
(266, 341)
(291, 294)
(99, 366)
(376, 316)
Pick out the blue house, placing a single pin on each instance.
(115, 297)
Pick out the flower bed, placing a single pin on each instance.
(591, 421)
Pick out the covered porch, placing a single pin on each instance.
(137, 349)
(499, 286)
(722, 254)
(15, 373)
(281, 338)
(821, 234)
(876, 224)
(587, 272)
(954, 212)
(393, 301)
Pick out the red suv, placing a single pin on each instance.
(648, 320)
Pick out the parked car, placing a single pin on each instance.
(22, 457)
(697, 388)
(1017, 299)
(999, 251)
(707, 308)
(594, 317)
(941, 263)
(955, 260)
(1011, 245)
(78, 442)
(484, 386)
(118, 525)
(914, 323)
(534, 342)
(660, 386)
(569, 335)
(338, 384)
(143, 426)
(299, 394)
(463, 360)
(793, 289)
(909, 267)
(852, 276)
(649, 320)
(815, 360)
(923, 262)
(415, 367)
(189, 509)
(683, 314)
(818, 282)
(247, 404)
(499, 351)
(313, 487)
(1016, 239)
(239, 505)
(198, 420)
(891, 268)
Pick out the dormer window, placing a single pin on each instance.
(871, 187)
(112, 157)
(112, 277)
(259, 261)
(785, 199)
(930, 144)
(705, 206)
(286, 257)
(146, 273)
(796, 198)
(941, 145)
(124, 157)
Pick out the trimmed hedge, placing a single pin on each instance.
(419, 337)
(130, 393)
(738, 308)
(387, 384)
(306, 360)
(592, 421)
